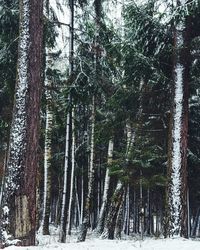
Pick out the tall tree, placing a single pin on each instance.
(88, 203)
(65, 213)
(178, 188)
(19, 198)
(48, 136)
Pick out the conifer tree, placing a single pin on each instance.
(18, 215)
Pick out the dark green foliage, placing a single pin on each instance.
(8, 60)
(130, 75)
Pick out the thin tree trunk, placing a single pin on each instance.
(195, 223)
(47, 167)
(85, 224)
(62, 234)
(3, 177)
(64, 212)
(47, 149)
(127, 212)
(141, 208)
(82, 197)
(71, 197)
(77, 205)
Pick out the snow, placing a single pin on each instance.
(17, 144)
(129, 244)
(176, 152)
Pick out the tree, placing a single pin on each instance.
(102, 213)
(178, 187)
(19, 197)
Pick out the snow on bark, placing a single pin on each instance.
(69, 217)
(62, 220)
(176, 150)
(20, 180)
(18, 133)
(179, 134)
(47, 149)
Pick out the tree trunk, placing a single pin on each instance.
(47, 169)
(65, 212)
(102, 214)
(126, 225)
(113, 211)
(177, 189)
(63, 219)
(19, 201)
(85, 224)
(47, 149)
(119, 220)
(71, 197)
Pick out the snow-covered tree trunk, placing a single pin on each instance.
(47, 157)
(102, 214)
(48, 142)
(64, 211)
(19, 197)
(177, 189)
(62, 234)
(71, 196)
(86, 218)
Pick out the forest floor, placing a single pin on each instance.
(130, 243)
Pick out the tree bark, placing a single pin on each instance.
(102, 214)
(47, 155)
(19, 201)
(85, 224)
(113, 211)
(63, 219)
(177, 188)
(71, 197)
(48, 137)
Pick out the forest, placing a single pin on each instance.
(99, 119)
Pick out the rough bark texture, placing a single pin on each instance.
(48, 135)
(177, 190)
(47, 152)
(113, 211)
(20, 184)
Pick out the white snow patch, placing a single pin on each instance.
(97, 244)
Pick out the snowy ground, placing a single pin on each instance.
(96, 244)
(51, 243)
